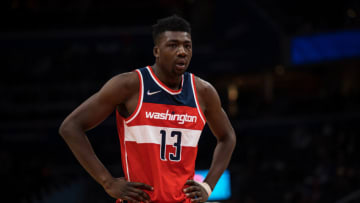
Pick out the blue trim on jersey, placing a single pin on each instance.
(153, 93)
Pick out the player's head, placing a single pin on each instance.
(172, 23)
(173, 45)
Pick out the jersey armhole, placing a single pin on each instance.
(193, 85)
(140, 99)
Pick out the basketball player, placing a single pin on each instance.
(161, 111)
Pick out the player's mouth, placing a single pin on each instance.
(180, 65)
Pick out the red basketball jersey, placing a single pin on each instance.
(159, 140)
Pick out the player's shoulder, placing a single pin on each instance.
(127, 83)
(126, 77)
(126, 80)
(203, 87)
(206, 94)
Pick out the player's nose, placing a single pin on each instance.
(181, 51)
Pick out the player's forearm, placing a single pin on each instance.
(80, 146)
(221, 159)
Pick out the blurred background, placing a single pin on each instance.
(288, 74)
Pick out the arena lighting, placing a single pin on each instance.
(325, 47)
(233, 93)
(222, 190)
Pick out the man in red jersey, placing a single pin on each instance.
(161, 110)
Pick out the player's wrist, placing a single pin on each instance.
(206, 187)
(106, 182)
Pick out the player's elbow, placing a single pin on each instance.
(232, 140)
(228, 139)
(65, 128)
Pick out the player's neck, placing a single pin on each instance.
(171, 81)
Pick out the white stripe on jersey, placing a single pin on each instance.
(196, 101)
(140, 102)
(151, 134)
(126, 156)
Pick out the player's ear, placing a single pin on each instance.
(156, 51)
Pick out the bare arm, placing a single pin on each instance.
(88, 115)
(221, 128)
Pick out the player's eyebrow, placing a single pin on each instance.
(176, 40)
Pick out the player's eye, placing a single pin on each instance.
(172, 45)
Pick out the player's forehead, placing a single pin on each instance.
(180, 36)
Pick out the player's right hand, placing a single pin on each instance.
(119, 188)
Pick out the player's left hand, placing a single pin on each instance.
(195, 191)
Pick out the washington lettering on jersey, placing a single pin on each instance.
(182, 118)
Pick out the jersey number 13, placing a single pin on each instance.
(172, 156)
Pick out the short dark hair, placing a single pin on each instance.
(171, 23)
